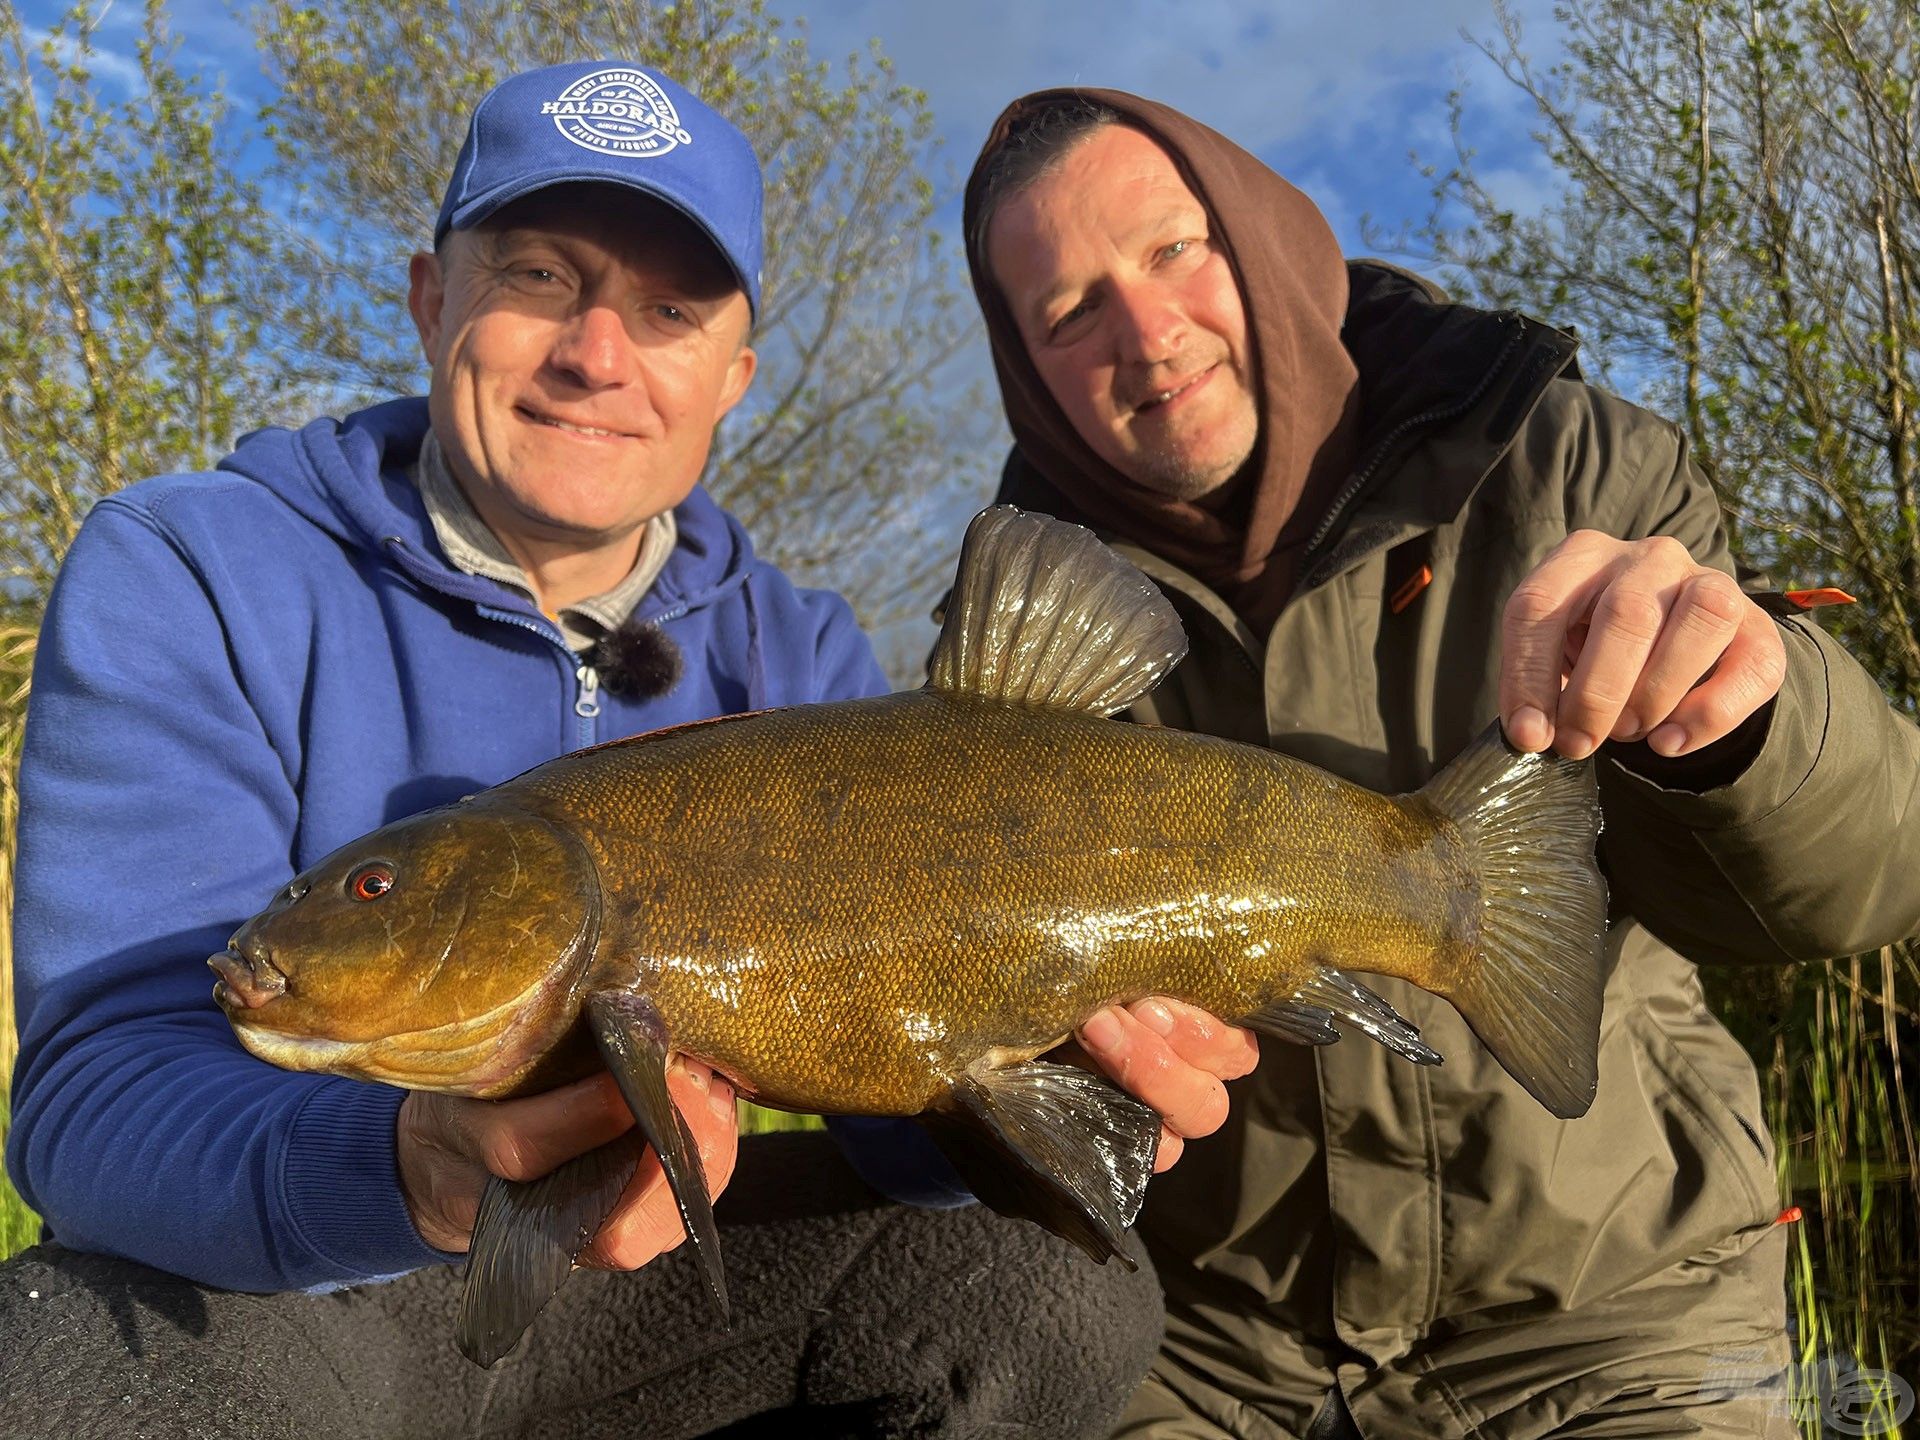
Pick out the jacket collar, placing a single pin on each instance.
(1445, 388)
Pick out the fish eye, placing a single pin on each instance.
(370, 882)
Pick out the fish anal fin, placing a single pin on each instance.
(1054, 1144)
(526, 1238)
(1044, 614)
(633, 1041)
(1347, 999)
(1295, 1022)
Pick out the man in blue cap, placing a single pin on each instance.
(243, 669)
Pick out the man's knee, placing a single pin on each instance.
(963, 1322)
(101, 1346)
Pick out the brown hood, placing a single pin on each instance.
(1293, 282)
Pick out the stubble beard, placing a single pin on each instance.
(1180, 475)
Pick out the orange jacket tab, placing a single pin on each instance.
(1789, 1216)
(1410, 591)
(1821, 595)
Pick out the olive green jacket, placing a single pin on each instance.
(1389, 1204)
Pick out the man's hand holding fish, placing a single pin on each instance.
(449, 1148)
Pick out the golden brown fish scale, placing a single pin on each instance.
(872, 896)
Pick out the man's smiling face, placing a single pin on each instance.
(584, 341)
(1131, 312)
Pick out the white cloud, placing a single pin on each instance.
(122, 71)
(1264, 76)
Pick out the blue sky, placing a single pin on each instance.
(1334, 95)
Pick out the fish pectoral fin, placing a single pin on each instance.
(1294, 1021)
(526, 1238)
(633, 1041)
(1043, 613)
(1337, 993)
(1054, 1144)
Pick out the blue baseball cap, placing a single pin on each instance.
(619, 124)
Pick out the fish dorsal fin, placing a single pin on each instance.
(1043, 613)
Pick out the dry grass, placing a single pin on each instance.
(19, 1226)
(1836, 1045)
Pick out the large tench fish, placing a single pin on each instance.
(895, 906)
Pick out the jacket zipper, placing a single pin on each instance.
(586, 679)
(586, 704)
(1357, 482)
(586, 698)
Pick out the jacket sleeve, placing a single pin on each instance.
(1812, 849)
(155, 816)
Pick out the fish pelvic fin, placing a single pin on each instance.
(526, 1238)
(1054, 1144)
(633, 1041)
(1531, 990)
(1043, 613)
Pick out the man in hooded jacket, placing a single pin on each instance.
(1386, 519)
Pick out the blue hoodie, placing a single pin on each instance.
(240, 671)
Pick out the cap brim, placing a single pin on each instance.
(470, 214)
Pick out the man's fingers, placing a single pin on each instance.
(1172, 1147)
(643, 1225)
(525, 1139)
(1190, 1100)
(1706, 613)
(1533, 635)
(646, 1223)
(1199, 1038)
(1626, 622)
(1750, 673)
(445, 1147)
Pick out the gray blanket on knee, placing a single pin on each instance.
(860, 1316)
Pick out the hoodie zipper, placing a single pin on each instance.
(1350, 492)
(586, 703)
(586, 679)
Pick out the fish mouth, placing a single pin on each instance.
(485, 1054)
(248, 979)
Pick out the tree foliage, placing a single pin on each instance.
(135, 328)
(1737, 240)
(841, 437)
(133, 271)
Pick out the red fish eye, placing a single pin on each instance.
(371, 883)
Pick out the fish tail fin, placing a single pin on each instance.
(1531, 989)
